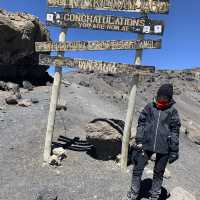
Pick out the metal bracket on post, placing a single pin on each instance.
(130, 112)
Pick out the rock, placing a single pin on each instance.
(178, 193)
(192, 131)
(194, 136)
(54, 160)
(153, 157)
(149, 171)
(25, 103)
(60, 152)
(48, 83)
(61, 105)
(13, 87)
(66, 83)
(105, 135)
(167, 174)
(183, 130)
(34, 100)
(177, 91)
(27, 85)
(18, 59)
(47, 194)
(8, 86)
(12, 100)
(1, 119)
(84, 84)
(3, 85)
(18, 95)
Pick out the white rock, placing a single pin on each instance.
(25, 103)
(149, 171)
(60, 152)
(54, 160)
(179, 193)
(167, 174)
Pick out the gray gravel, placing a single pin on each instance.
(22, 130)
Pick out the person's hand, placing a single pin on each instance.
(173, 156)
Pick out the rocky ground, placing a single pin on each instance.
(90, 96)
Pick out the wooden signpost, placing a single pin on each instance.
(152, 6)
(67, 19)
(105, 22)
(97, 45)
(91, 65)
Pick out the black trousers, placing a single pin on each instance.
(159, 169)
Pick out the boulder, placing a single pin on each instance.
(61, 105)
(34, 100)
(179, 193)
(105, 135)
(27, 85)
(11, 100)
(18, 59)
(55, 160)
(25, 103)
(8, 86)
(60, 152)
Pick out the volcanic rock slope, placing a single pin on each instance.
(18, 59)
(81, 176)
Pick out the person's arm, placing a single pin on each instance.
(175, 125)
(141, 126)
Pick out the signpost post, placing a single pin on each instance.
(53, 104)
(130, 113)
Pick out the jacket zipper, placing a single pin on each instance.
(157, 131)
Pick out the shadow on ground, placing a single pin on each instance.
(101, 146)
(145, 188)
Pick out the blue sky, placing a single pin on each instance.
(180, 42)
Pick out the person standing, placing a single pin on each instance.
(157, 132)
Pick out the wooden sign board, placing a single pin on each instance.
(97, 45)
(152, 6)
(90, 65)
(103, 22)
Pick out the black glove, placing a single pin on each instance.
(137, 150)
(173, 156)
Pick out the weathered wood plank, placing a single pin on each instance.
(97, 45)
(106, 22)
(91, 65)
(152, 6)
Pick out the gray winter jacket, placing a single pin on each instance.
(158, 130)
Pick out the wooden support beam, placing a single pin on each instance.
(130, 114)
(53, 104)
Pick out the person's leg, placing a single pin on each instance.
(138, 169)
(159, 169)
